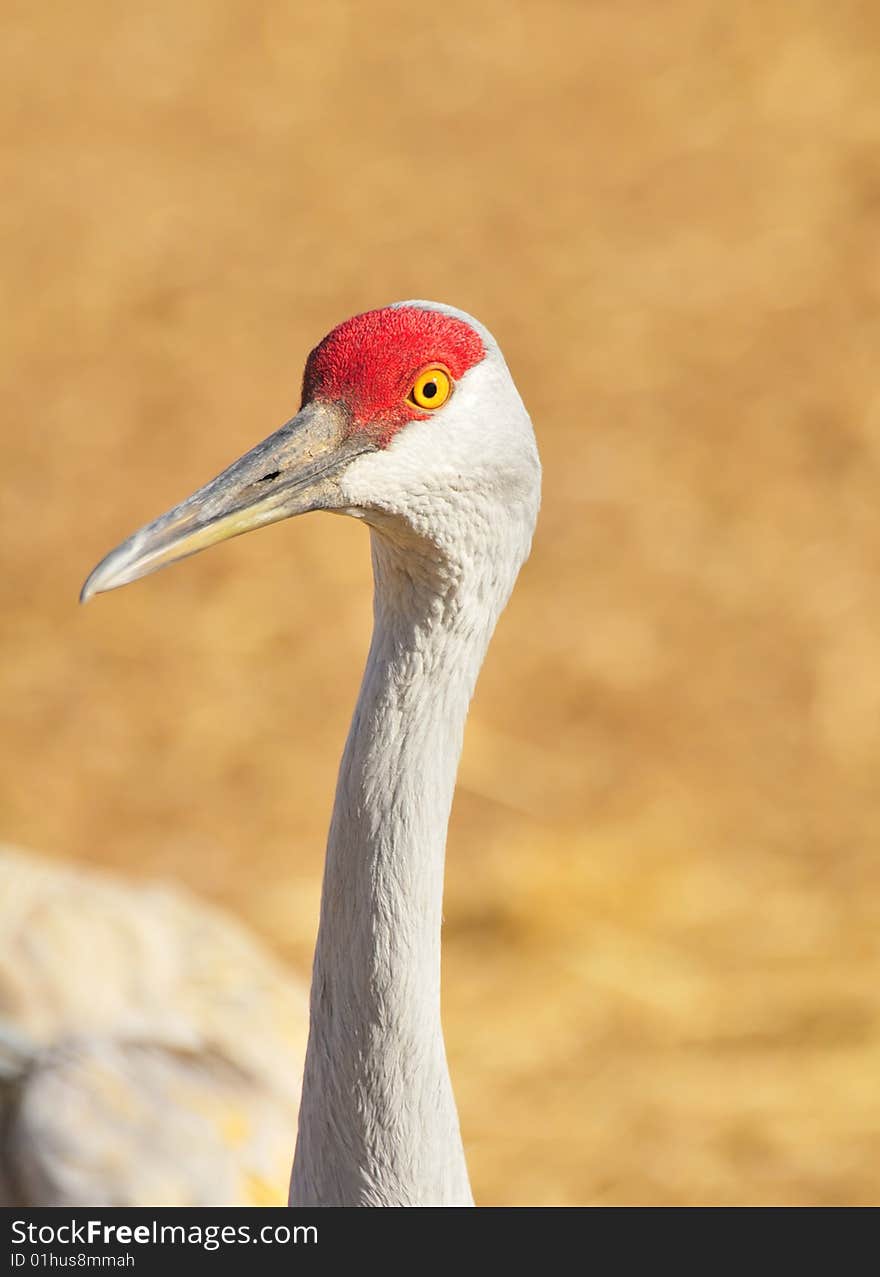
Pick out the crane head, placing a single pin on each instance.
(409, 418)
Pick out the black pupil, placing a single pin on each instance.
(429, 389)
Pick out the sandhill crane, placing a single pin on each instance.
(410, 420)
(150, 1049)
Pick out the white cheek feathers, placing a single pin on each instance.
(472, 466)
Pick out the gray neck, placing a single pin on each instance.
(378, 1123)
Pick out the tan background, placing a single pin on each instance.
(661, 979)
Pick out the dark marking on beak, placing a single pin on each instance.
(308, 454)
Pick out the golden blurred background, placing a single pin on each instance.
(661, 943)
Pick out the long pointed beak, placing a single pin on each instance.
(295, 470)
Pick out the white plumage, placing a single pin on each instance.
(449, 483)
(150, 1048)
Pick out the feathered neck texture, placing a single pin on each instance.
(378, 1124)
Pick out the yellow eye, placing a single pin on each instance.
(431, 388)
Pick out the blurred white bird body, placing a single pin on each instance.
(411, 422)
(150, 1048)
